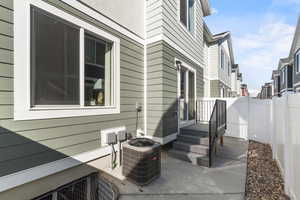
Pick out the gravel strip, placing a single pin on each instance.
(264, 180)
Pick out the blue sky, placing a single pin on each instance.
(262, 32)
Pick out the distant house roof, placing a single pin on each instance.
(221, 35)
(283, 62)
(244, 86)
(235, 68)
(275, 73)
(210, 38)
(240, 77)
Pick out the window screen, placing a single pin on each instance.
(191, 16)
(54, 60)
(183, 12)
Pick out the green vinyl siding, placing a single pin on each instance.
(162, 88)
(215, 88)
(29, 143)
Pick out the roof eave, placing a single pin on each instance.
(206, 7)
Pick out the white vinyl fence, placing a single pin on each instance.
(276, 122)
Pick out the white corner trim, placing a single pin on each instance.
(145, 72)
(172, 44)
(164, 140)
(22, 108)
(101, 18)
(25, 176)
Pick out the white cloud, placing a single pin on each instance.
(214, 11)
(258, 52)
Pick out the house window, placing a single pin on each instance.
(187, 14)
(297, 61)
(222, 59)
(54, 60)
(74, 66)
(229, 68)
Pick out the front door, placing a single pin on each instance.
(186, 96)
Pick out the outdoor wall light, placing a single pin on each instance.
(178, 64)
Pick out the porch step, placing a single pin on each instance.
(193, 139)
(197, 127)
(193, 133)
(196, 159)
(193, 148)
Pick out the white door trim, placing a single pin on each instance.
(189, 69)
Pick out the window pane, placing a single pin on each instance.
(90, 53)
(191, 15)
(298, 62)
(55, 61)
(229, 68)
(183, 12)
(98, 72)
(222, 59)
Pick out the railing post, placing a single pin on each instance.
(196, 112)
(225, 114)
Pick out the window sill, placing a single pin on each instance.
(53, 113)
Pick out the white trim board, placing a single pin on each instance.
(164, 140)
(25, 176)
(145, 72)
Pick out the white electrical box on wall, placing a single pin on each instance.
(109, 135)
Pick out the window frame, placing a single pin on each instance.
(22, 87)
(229, 68)
(297, 61)
(222, 58)
(186, 27)
(283, 75)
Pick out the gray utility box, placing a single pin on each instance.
(122, 136)
(111, 138)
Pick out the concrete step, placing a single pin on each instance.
(198, 127)
(194, 158)
(193, 139)
(194, 133)
(193, 148)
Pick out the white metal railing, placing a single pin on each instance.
(204, 110)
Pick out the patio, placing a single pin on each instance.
(182, 180)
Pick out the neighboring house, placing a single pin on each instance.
(175, 62)
(287, 76)
(266, 91)
(244, 90)
(276, 82)
(220, 57)
(285, 67)
(294, 56)
(239, 83)
(70, 69)
(235, 81)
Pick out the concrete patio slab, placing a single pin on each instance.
(182, 180)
